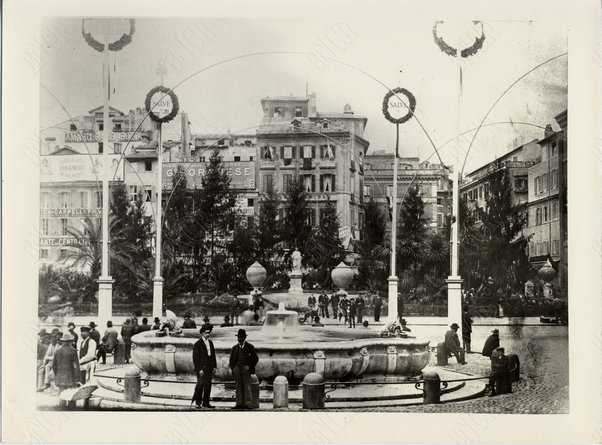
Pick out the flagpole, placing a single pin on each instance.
(393, 280)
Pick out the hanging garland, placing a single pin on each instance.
(174, 100)
(411, 105)
(466, 52)
(118, 45)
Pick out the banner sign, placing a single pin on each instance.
(122, 136)
(241, 173)
(70, 168)
(64, 241)
(65, 213)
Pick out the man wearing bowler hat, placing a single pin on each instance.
(243, 360)
(66, 364)
(94, 334)
(452, 343)
(492, 342)
(205, 365)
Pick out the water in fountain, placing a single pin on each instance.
(281, 320)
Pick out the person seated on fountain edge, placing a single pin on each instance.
(255, 321)
(226, 322)
(316, 322)
(188, 322)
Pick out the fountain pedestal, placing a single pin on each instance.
(295, 283)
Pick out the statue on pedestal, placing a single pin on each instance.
(297, 257)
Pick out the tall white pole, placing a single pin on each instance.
(158, 280)
(393, 280)
(454, 282)
(105, 282)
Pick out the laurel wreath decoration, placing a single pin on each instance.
(466, 52)
(118, 45)
(411, 105)
(174, 101)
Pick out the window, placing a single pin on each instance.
(537, 216)
(269, 153)
(486, 190)
(287, 179)
(148, 166)
(117, 127)
(267, 182)
(44, 254)
(72, 127)
(117, 147)
(439, 219)
(308, 151)
(148, 194)
(520, 185)
(83, 199)
(554, 152)
(546, 248)
(64, 200)
(287, 152)
(555, 247)
(535, 184)
(45, 200)
(101, 127)
(99, 199)
(310, 217)
(554, 178)
(327, 183)
(325, 125)
(278, 112)
(63, 253)
(248, 142)
(100, 147)
(481, 192)
(221, 142)
(389, 190)
(327, 151)
(133, 193)
(250, 202)
(236, 158)
(545, 181)
(202, 159)
(554, 211)
(251, 158)
(64, 227)
(298, 112)
(309, 183)
(545, 213)
(367, 190)
(45, 226)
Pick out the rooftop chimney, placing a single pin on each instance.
(347, 109)
(312, 105)
(548, 131)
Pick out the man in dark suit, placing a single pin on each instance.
(205, 366)
(243, 360)
(94, 334)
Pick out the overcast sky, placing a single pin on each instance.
(359, 56)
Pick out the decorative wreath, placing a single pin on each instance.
(411, 105)
(174, 101)
(118, 45)
(466, 52)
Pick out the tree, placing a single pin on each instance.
(411, 235)
(296, 229)
(505, 254)
(375, 227)
(242, 253)
(373, 249)
(269, 227)
(324, 250)
(215, 203)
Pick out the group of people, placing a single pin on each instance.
(242, 362)
(89, 350)
(351, 310)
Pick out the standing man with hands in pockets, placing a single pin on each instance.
(205, 366)
(243, 360)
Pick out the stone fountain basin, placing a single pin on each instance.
(336, 354)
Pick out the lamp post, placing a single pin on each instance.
(398, 107)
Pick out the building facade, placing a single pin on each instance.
(431, 180)
(325, 151)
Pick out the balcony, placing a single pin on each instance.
(307, 164)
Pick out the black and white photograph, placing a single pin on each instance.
(317, 215)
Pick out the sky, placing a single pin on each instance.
(219, 77)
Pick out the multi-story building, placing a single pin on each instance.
(431, 180)
(547, 220)
(325, 151)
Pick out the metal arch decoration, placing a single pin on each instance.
(466, 52)
(174, 100)
(411, 104)
(118, 45)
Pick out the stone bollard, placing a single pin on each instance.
(313, 391)
(441, 354)
(119, 353)
(254, 392)
(514, 364)
(432, 388)
(131, 386)
(280, 392)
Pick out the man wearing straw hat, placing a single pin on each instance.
(243, 360)
(66, 364)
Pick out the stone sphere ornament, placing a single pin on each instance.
(342, 275)
(547, 272)
(256, 274)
